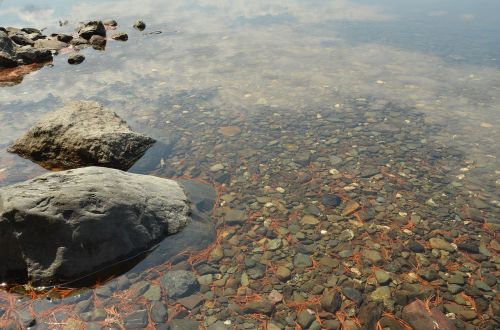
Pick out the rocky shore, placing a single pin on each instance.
(23, 50)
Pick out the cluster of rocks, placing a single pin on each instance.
(30, 45)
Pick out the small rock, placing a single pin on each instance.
(305, 318)
(331, 301)
(441, 244)
(417, 315)
(373, 257)
(122, 36)
(309, 220)
(382, 293)
(350, 208)
(259, 307)
(283, 274)
(235, 217)
(382, 277)
(179, 324)
(76, 58)
(139, 25)
(352, 294)
(179, 283)
(92, 28)
(136, 320)
(302, 261)
(159, 312)
(97, 42)
(331, 200)
(416, 247)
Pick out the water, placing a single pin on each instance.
(400, 98)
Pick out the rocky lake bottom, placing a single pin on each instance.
(339, 226)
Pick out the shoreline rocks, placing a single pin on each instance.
(82, 134)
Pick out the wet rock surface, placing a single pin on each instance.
(82, 134)
(68, 224)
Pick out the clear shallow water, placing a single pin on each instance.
(411, 88)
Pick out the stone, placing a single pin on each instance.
(350, 208)
(331, 301)
(259, 307)
(30, 55)
(66, 38)
(283, 274)
(441, 244)
(87, 30)
(179, 283)
(330, 200)
(229, 131)
(62, 225)
(21, 39)
(382, 277)
(97, 42)
(235, 217)
(139, 25)
(153, 293)
(309, 220)
(191, 301)
(373, 257)
(420, 318)
(178, 324)
(82, 134)
(159, 312)
(305, 318)
(136, 320)
(7, 51)
(331, 324)
(301, 260)
(121, 36)
(352, 294)
(382, 293)
(416, 247)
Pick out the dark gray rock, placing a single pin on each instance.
(179, 283)
(21, 39)
(92, 28)
(139, 25)
(352, 294)
(159, 312)
(122, 36)
(78, 41)
(62, 225)
(331, 200)
(64, 37)
(305, 319)
(331, 301)
(82, 134)
(259, 307)
(29, 55)
(7, 51)
(136, 320)
(76, 58)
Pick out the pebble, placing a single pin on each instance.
(76, 58)
(350, 208)
(441, 244)
(136, 320)
(302, 261)
(139, 25)
(305, 318)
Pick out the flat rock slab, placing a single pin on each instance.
(82, 134)
(62, 225)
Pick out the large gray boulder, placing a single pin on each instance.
(82, 134)
(63, 225)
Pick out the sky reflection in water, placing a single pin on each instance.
(438, 58)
